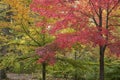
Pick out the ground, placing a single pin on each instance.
(13, 76)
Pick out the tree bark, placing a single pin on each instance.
(75, 75)
(102, 51)
(43, 71)
(3, 74)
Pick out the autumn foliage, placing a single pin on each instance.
(92, 21)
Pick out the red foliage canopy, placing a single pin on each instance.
(91, 20)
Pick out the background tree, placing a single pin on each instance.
(12, 36)
(24, 34)
(5, 33)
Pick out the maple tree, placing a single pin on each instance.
(92, 20)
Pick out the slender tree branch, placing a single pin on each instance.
(95, 21)
(30, 35)
(94, 7)
(114, 7)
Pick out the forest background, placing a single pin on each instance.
(21, 37)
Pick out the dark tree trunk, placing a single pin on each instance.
(44, 71)
(102, 51)
(76, 75)
(3, 74)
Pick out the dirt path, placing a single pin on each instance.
(13, 76)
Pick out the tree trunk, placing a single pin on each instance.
(102, 51)
(76, 75)
(44, 71)
(3, 74)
